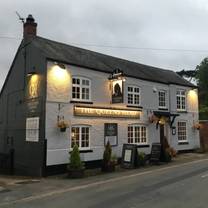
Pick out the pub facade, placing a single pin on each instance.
(57, 95)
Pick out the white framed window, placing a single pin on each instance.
(137, 134)
(181, 100)
(162, 99)
(81, 89)
(133, 95)
(80, 135)
(182, 131)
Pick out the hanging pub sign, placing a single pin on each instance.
(117, 91)
(117, 79)
(111, 133)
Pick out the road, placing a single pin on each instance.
(179, 186)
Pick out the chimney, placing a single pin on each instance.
(30, 27)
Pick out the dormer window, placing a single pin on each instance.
(81, 89)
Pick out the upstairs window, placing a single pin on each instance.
(133, 95)
(137, 134)
(81, 89)
(161, 96)
(182, 136)
(181, 100)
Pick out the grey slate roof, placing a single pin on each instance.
(105, 63)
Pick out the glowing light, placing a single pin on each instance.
(59, 73)
(106, 112)
(33, 85)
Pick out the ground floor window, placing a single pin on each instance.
(137, 134)
(80, 135)
(182, 134)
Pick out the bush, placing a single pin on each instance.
(141, 159)
(75, 160)
(109, 161)
(107, 154)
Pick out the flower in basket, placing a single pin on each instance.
(62, 125)
(196, 126)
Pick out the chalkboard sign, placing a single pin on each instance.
(155, 152)
(129, 155)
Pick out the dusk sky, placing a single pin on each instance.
(137, 30)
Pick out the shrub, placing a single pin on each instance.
(75, 160)
(141, 159)
(107, 154)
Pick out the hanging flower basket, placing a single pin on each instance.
(196, 126)
(62, 125)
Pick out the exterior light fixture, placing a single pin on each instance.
(117, 74)
(32, 72)
(61, 65)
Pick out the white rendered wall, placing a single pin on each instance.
(59, 95)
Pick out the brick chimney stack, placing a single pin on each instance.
(30, 27)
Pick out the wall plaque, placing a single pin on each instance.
(32, 129)
(111, 133)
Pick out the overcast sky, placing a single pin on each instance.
(162, 24)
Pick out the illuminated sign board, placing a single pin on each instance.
(106, 112)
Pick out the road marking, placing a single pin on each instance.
(204, 176)
(61, 191)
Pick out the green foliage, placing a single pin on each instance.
(107, 153)
(141, 156)
(75, 160)
(202, 81)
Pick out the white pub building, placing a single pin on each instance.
(59, 95)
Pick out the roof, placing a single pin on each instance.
(105, 63)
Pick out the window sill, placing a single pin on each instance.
(134, 106)
(84, 102)
(181, 111)
(183, 143)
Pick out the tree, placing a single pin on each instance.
(202, 81)
(200, 75)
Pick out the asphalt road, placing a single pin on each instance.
(181, 186)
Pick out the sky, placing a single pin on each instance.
(137, 30)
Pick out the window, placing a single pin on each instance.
(81, 89)
(80, 135)
(182, 131)
(161, 95)
(133, 95)
(181, 99)
(137, 134)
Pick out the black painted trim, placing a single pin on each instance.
(133, 106)
(85, 151)
(182, 143)
(143, 146)
(84, 102)
(164, 109)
